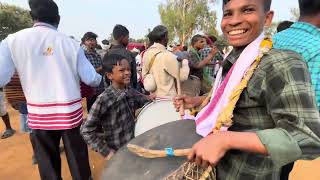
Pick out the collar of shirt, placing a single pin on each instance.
(44, 25)
(231, 59)
(118, 93)
(158, 46)
(196, 52)
(307, 27)
(117, 46)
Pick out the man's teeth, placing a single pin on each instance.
(236, 32)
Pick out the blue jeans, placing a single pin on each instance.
(24, 123)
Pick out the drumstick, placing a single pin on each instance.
(181, 110)
(148, 153)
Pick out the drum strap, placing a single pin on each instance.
(152, 61)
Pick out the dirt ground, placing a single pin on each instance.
(16, 153)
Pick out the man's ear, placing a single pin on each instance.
(109, 75)
(269, 18)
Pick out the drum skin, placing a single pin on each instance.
(155, 114)
(125, 165)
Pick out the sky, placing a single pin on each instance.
(100, 16)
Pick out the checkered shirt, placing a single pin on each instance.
(96, 61)
(113, 111)
(279, 106)
(304, 39)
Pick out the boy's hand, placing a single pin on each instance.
(111, 153)
(214, 51)
(209, 150)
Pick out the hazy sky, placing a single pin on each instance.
(100, 16)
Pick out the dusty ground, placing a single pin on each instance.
(16, 152)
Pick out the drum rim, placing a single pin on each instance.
(149, 104)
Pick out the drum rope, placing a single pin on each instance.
(149, 153)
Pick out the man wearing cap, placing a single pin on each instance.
(50, 68)
(89, 41)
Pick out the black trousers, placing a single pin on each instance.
(46, 145)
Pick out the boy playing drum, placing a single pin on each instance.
(275, 120)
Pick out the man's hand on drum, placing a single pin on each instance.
(187, 101)
(209, 150)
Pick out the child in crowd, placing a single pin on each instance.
(114, 109)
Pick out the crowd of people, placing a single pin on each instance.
(265, 90)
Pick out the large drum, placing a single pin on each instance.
(13, 91)
(155, 114)
(125, 165)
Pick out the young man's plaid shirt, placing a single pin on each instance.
(279, 106)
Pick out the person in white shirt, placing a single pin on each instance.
(50, 66)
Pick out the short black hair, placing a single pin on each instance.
(111, 60)
(45, 11)
(158, 33)
(309, 7)
(196, 38)
(284, 25)
(119, 31)
(266, 4)
(185, 48)
(89, 35)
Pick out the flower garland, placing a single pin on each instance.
(226, 115)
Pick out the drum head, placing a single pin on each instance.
(155, 114)
(125, 165)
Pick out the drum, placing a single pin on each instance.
(13, 91)
(155, 114)
(192, 86)
(127, 165)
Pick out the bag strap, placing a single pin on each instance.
(152, 60)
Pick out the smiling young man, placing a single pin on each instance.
(275, 120)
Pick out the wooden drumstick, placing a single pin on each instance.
(181, 110)
(148, 153)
